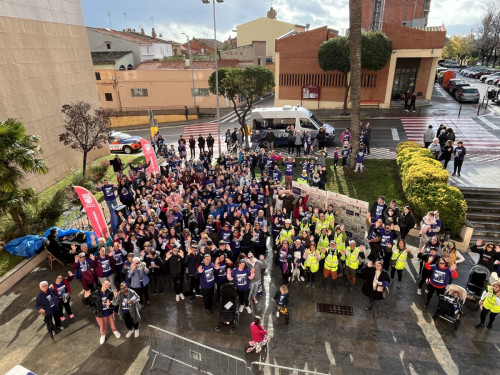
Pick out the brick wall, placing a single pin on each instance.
(408, 38)
(395, 11)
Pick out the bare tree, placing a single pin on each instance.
(85, 131)
(489, 33)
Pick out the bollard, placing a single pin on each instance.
(478, 109)
(486, 106)
(459, 110)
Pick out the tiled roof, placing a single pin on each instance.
(209, 42)
(131, 36)
(181, 65)
(108, 57)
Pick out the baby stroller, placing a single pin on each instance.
(228, 314)
(232, 147)
(478, 280)
(450, 306)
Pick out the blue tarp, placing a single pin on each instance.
(25, 246)
(61, 232)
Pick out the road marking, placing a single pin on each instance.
(395, 135)
(488, 123)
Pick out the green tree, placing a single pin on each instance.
(85, 131)
(334, 54)
(460, 47)
(247, 83)
(19, 154)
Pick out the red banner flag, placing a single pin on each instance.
(150, 156)
(93, 210)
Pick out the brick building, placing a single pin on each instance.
(401, 12)
(412, 66)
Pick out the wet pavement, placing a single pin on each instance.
(404, 339)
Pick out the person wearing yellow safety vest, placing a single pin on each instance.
(490, 302)
(340, 239)
(319, 221)
(286, 233)
(303, 178)
(305, 225)
(330, 214)
(351, 257)
(400, 254)
(323, 241)
(330, 257)
(312, 257)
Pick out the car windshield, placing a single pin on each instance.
(120, 135)
(315, 121)
(470, 91)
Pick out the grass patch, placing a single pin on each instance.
(8, 261)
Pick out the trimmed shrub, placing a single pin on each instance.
(404, 145)
(448, 200)
(409, 154)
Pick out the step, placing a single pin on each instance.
(483, 202)
(485, 224)
(484, 232)
(473, 190)
(484, 194)
(485, 239)
(484, 216)
(483, 209)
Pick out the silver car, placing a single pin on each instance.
(467, 94)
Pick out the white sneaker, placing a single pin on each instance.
(249, 310)
(102, 339)
(241, 308)
(129, 333)
(419, 292)
(277, 314)
(136, 333)
(177, 297)
(117, 334)
(181, 295)
(302, 278)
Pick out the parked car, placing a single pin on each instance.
(481, 73)
(455, 85)
(496, 82)
(447, 86)
(489, 78)
(123, 142)
(467, 94)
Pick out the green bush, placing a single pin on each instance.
(53, 207)
(448, 200)
(404, 145)
(425, 183)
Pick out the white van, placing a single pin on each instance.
(279, 118)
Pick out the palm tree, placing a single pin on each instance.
(18, 155)
(355, 56)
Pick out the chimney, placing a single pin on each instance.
(142, 31)
(153, 33)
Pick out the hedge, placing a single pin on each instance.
(425, 183)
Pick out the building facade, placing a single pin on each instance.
(266, 29)
(251, 55)
(45, 63)
(413, 13)
(412, 67)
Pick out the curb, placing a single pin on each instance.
(12, 277)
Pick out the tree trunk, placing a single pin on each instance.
(244, 130)
(84, 162)
(355, 56)
(18, 217)
(346, 94)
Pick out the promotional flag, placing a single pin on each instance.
(150, 156)
(93, 210)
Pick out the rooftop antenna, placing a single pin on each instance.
(125, 15)
(109, 16)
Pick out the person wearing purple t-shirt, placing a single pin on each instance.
(108, 190)
(206, 273)
(241, 277)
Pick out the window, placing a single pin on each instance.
(130, 67)
(139, 92)
(97, 76)
(122, 67)
(108, 45)
(200, 92)
(305, 123)
(109, 96)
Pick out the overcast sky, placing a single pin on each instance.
(173, 17)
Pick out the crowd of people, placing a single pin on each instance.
(441, 142)
(199, 225)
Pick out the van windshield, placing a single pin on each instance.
(315, 121)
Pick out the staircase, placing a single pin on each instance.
(483, 212)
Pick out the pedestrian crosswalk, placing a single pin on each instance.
(475, 137)
(204, 130)
(233, 117)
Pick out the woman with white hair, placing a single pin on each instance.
(138, 279)
(435, 148)
(47, 305)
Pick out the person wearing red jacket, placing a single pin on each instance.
(439, 279)
(259, 334)
(63, 291)
(104, 267)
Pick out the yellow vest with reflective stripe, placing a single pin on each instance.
(306, 227)
(323, 242)
(332, 261)
(352, 258)
(330, 218)
(340, 241)
(302, 179)
(320, 225)
(400, 258)
(312, 262)
(490, 302)
(286, 234)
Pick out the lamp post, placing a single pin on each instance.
(192, 71)
(216, 71)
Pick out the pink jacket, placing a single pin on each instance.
(258, 332)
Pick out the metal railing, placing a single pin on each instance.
(194, 355)
(260, 368)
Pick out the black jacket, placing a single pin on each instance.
(95, 302)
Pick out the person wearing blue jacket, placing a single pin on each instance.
(459, 152)
(359, 158)
(47, 305)
(439, 279)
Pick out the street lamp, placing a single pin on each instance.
(216, 70)
(192, 71)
